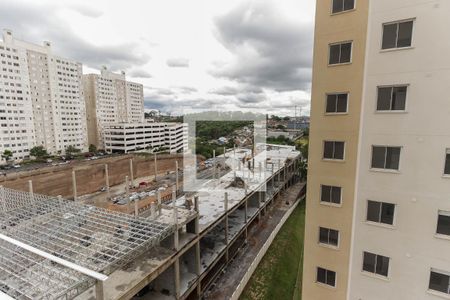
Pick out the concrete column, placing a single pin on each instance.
(158, 195)
(175, 218)
(156, 167)
(30, 186)
(74, 185)
(224, 153)
(246, 211)
(99, 290)
(196, 203)
(197, 258)
(176, 175)
(127, 194)
(131, 172)
(260, 171)
(152, 211)
(197, 228)
(107, 177)
(176, 265)
(2, 197)
(136, 208)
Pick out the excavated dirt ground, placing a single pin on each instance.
(90, 175)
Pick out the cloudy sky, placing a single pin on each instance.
(211, 54)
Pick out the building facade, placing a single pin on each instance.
(111, 99)
(16, 110)
(129, 137)
(378, 213)
(52, 85)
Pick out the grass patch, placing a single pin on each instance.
(279, 273)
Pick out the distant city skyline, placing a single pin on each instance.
(233, 55)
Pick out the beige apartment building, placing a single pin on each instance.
(41, 99)
(111, 99)
(378, 207)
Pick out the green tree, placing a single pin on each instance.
(275, 118)
(92, 148)
(7, 154)
(71, 150)
(38, 152)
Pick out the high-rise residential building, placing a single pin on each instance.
(45, 98)
(378, 209)
(110, 99)
(16, 110)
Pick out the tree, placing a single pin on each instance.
(286, 118)
(280, 126)
(71, 150)
(92, 148)
(7, 154)
(38, 152)
(275, 118)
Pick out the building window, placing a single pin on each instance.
(397, 35)
(342, 5)
(391, 98)
(326, 276)
(333, 150)
(336, 103)
(380, 212)
(443, 225)
(377, 264)
(328, 236)
(439, 281)
(340, 53)
(447, 162)
(330, 194)
(384, 157)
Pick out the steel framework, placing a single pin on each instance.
(92, 237)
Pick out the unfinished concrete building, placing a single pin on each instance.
(52, 248)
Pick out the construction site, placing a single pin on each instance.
(146, 237)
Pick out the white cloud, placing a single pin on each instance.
(148, 38)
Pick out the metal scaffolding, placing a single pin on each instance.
(91, 237)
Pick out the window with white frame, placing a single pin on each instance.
(385, 157)
(340, 53)
(342, 5)
(377, 264)
(336, 103)
(326, 276)
(391, 98)
(333, 150)
(397, 34)
(330, 194)
(443, 224)
(328, 236)
(439, 281)
(380, 212)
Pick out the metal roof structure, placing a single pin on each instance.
(89, 237)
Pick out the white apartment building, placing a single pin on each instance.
(110, 99)
(52, 85)
(124, 137)
(16, 110)
(378, 208)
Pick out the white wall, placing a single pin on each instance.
(419, 189)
